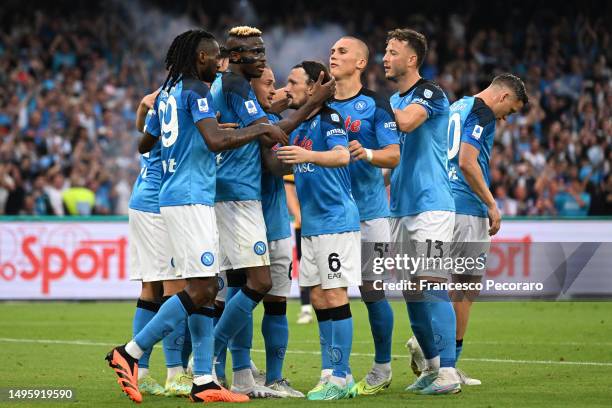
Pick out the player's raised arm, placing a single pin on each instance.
(388, 155)
(320, 92)
(143, 108)
(336, 140)
(426, 103)
(151, 128)
(219, 139)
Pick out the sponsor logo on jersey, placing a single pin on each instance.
(250, 107)
(335, 117)
(427, 93)
(360, 105)
(207, 258)
(259, 248)
(477, 132)
(390, 125)
(335, 131)
(304, 168)
(203, 105)
(352, 126)
(313, 124)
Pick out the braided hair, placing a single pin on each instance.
(180, 58)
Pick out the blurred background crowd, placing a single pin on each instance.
(72, 75)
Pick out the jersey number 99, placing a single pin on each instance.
(169, 121)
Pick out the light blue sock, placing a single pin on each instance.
(222, 357)
(380, 315)
(443, 323)
(238, 312)
(145, 311)
(170, 315)
(173, 342)
(420, 321)
(187, 347)
(342, 342)
(202, 339)
(325, 337)
(240, 346)
(275, 331)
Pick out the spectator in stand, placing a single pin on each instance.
(71, 73)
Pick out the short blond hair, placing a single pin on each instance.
(244, 32)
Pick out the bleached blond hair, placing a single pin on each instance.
(244, 32)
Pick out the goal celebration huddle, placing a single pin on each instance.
(210, 235)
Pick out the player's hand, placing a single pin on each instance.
(276, 134)
(228, 125)
(294, 155)
(322, 91)
(494, 220)
(357, 151)
(149, 99)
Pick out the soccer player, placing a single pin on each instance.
(422, 205)
(374, 144)
(148, 233)
(149, 260)
(184, 117)
(331, 247)
(274, 327)
(471, 132)
(242, 230)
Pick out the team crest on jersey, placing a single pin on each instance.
(352, 126)
(360, 105)
(220, 282)
(250, 107)
(207, 258)
(260, 248)
(335, 117)
(427, 93)
(477, 132)
(203, 105)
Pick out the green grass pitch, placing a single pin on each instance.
(526, 354)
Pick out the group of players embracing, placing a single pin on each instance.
(210, 233)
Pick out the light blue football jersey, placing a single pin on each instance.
(274, 201)
(145, 193)
(369, 119)
(471, 121)
(420, 182)
(238, 170)
(326, 203)
(188, 165)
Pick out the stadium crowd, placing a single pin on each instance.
(71, 83)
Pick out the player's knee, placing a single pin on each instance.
(261, 284)
(336, 297)
(260, 280)
(151, 291)
(202, 291)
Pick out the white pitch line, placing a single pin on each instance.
(482, 360)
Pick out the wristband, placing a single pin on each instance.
(369, 154)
